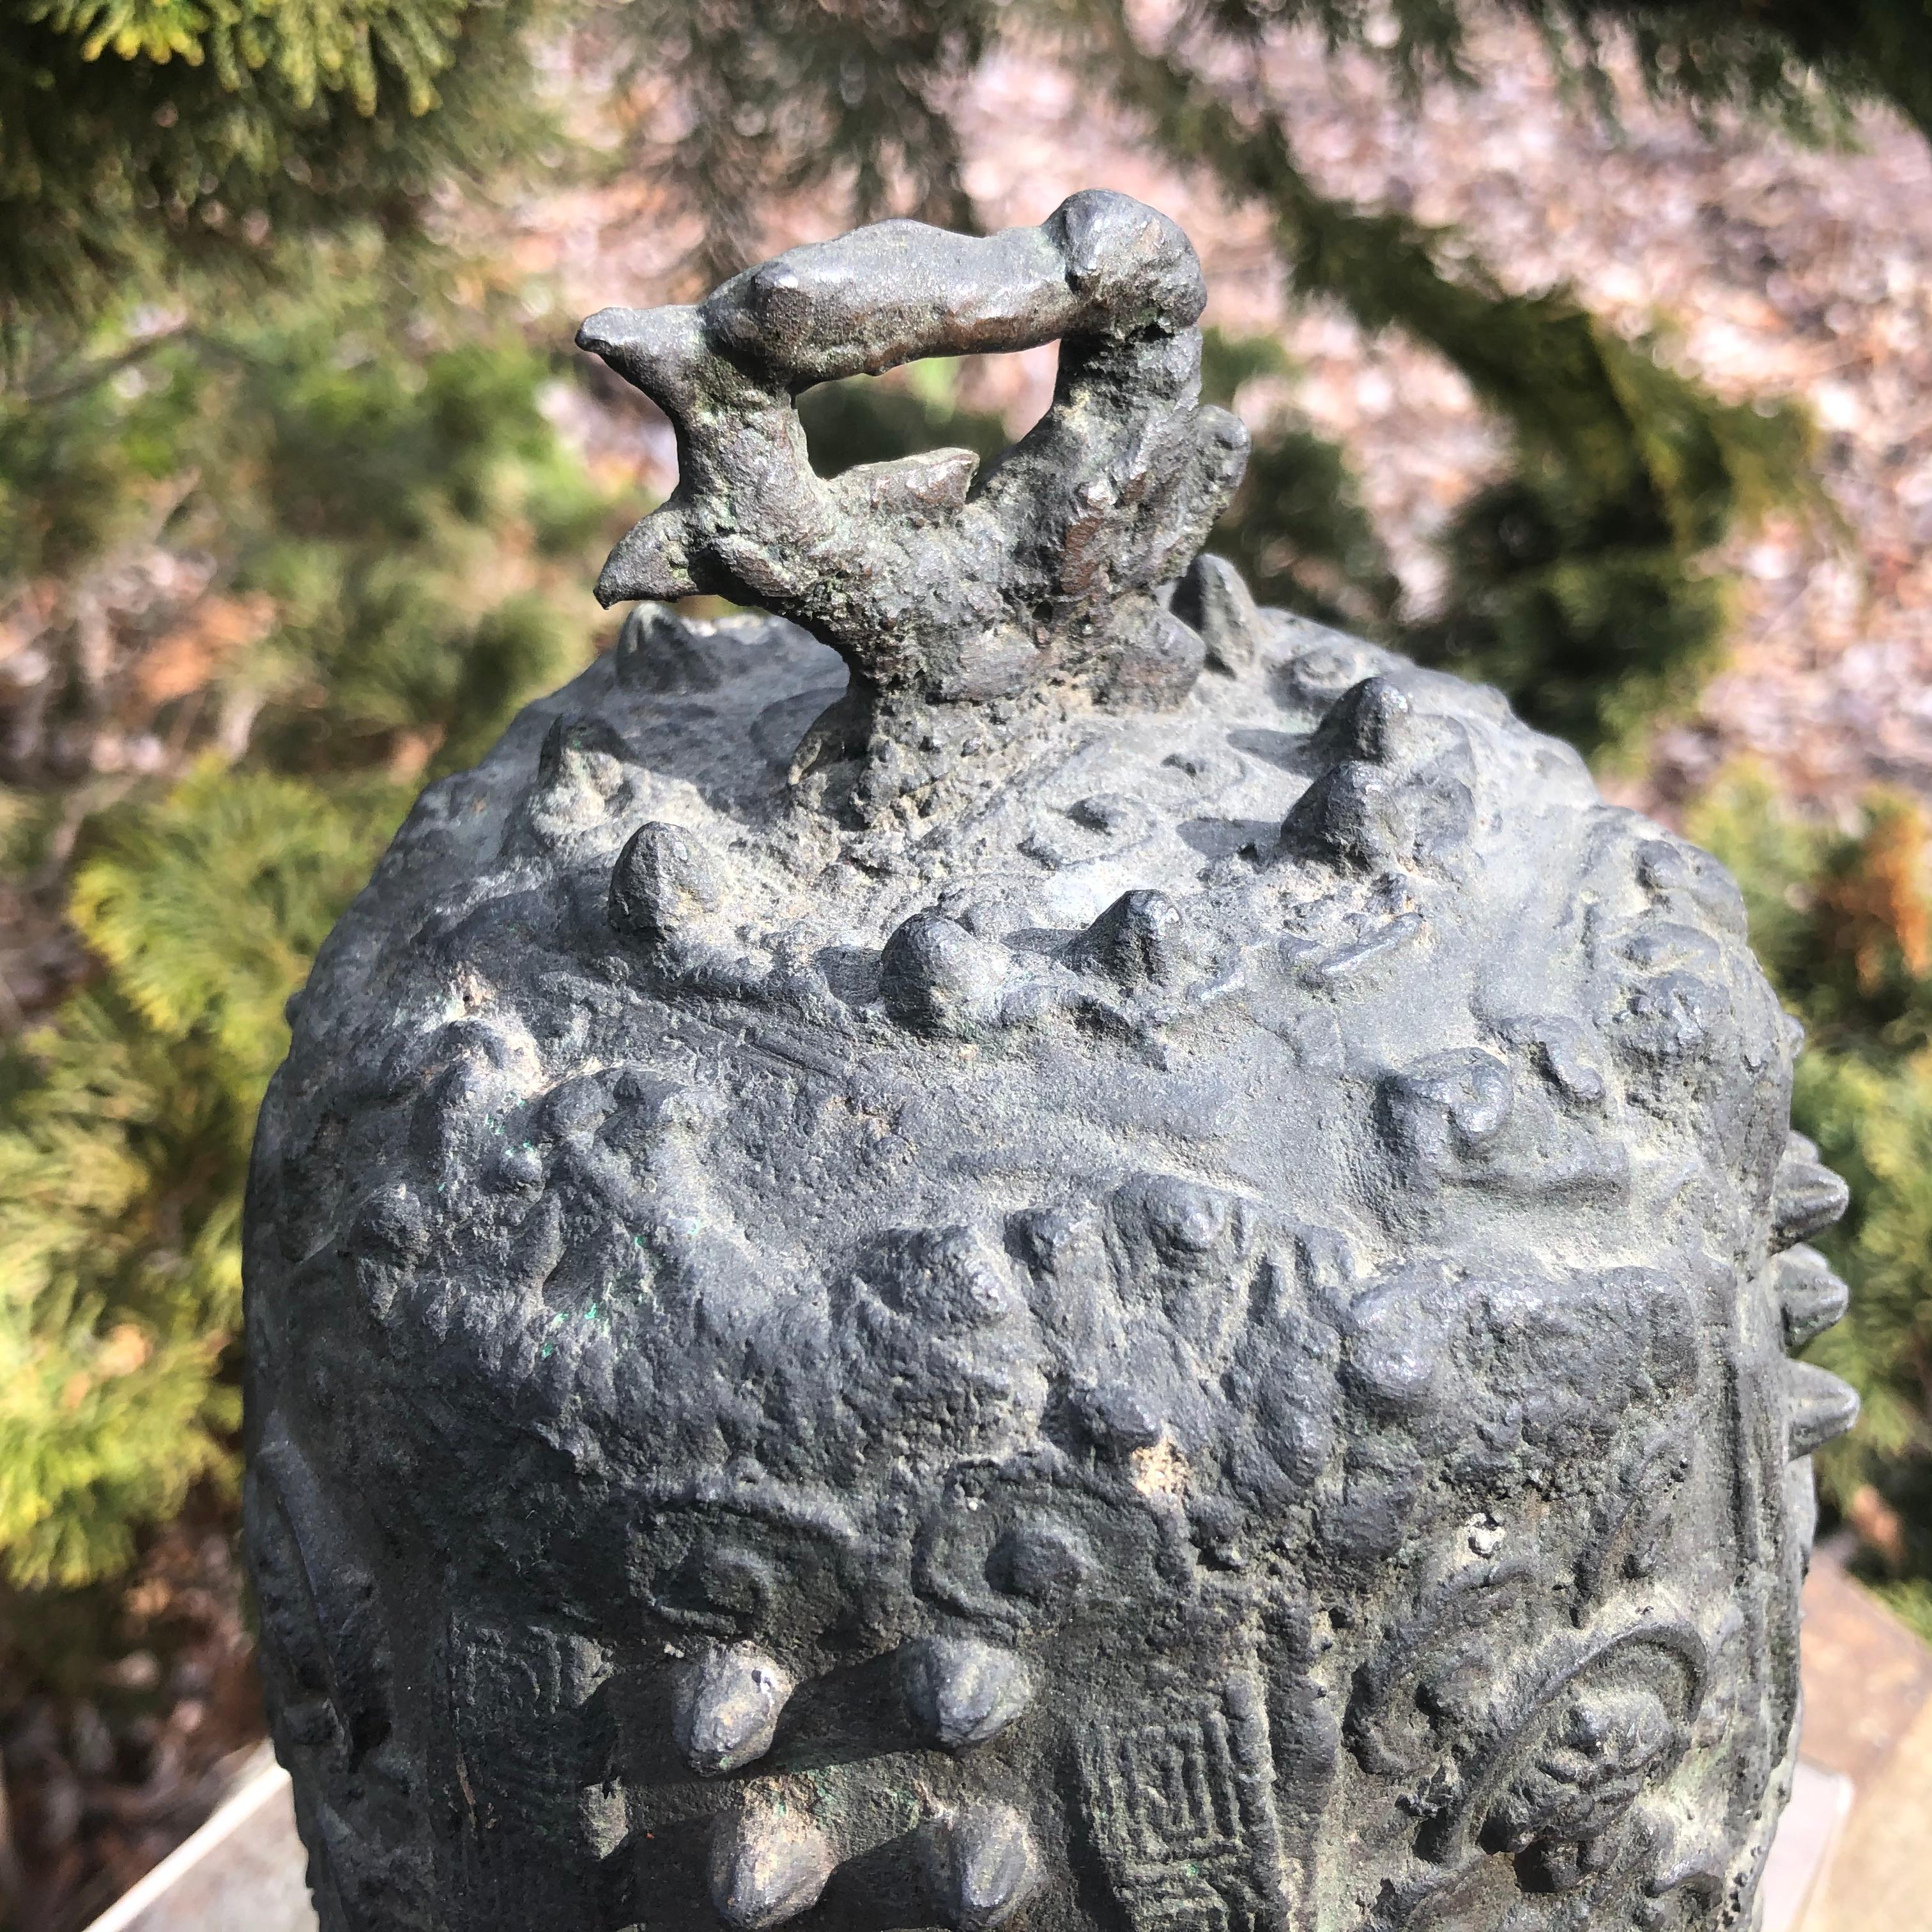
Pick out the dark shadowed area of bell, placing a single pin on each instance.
(1023, 1245)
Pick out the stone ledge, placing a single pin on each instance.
(243, 1871)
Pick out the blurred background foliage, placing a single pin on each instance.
(1842, 919)
(286, 527)
(385, 544)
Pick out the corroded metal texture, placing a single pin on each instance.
(1157, 1302)
(931, 589)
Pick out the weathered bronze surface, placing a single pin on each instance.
(1121, 1263)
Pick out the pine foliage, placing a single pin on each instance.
(1843, 921)
(402, 518)
(785, 98)
(138, 137)
(124, 1140)
(396, 504)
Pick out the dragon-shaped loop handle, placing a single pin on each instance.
(937, 585)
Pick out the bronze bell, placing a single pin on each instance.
(1022, 1244)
